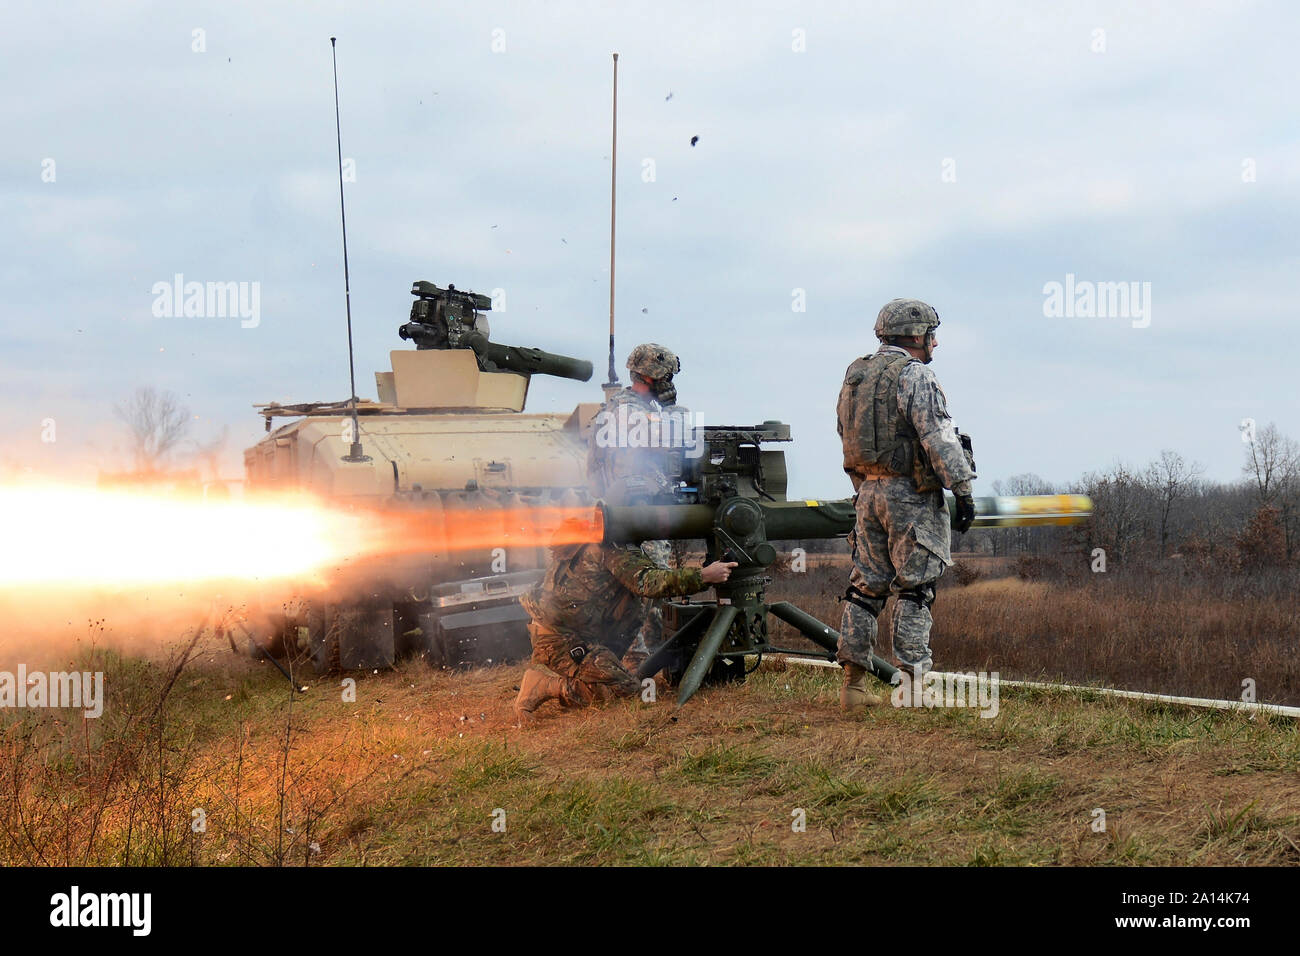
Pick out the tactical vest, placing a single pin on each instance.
(564, 602)
(878, 440)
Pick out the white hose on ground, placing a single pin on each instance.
(1279, 709)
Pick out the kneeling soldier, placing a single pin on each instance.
(590, 605)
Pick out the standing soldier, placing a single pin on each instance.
(593, 595)
(630, 461)
(900, 450)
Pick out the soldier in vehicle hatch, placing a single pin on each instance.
(901, 450)
(622, 472)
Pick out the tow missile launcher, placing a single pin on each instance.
(451, 319)
(733, 497)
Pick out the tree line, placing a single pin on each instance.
(1168, 511)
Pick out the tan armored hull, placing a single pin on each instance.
(444, 436)
(430, 452)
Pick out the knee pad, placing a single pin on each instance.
(922, 595)
(872, 605)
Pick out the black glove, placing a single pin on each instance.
(965, 513)
(969, 449)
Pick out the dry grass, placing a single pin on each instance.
(413, 770)
(1187, 634)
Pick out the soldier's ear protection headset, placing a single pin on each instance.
(665, 390)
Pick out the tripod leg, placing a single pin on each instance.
(687, 632)
(806, 624)
(826, 636)
(723, 616)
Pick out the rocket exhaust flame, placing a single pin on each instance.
(79, 537)
(63, 537)
(423, 532)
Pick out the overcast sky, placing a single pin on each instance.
(966, 154)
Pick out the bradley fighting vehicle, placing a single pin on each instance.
(448, 434)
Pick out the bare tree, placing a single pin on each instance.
(1266, 461)
(1119, 500)
(1171, 479)
(157, 422)
(1288, 496)
(209, 453)
(1273, 465)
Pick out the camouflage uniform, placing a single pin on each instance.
(623, 475)
(588, 607)
(900, 459)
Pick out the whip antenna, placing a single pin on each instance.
(613, 382)
(355, 453)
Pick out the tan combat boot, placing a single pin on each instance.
(535, 689)
(854, 695)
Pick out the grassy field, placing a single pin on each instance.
(208, 761)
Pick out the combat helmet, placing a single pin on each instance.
(906, 317)
(654, 362)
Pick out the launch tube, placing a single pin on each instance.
(814, 518)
